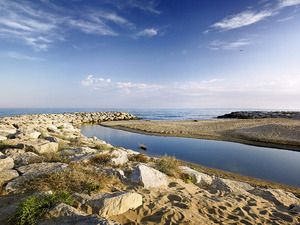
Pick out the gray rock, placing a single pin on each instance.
(114, 171)
(120, 157)
(109, 204)
(220, 184)
(6, 175)
(51, 139)
(10, 151)
(279, 197)
(201, 178)
(148, 177)
(75, 151)
(6, 163)
(62, 214)
(34, 170)
(22, 159)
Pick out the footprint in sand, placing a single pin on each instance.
(174, 198)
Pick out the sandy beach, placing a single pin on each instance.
(272, 132)
(42, 155)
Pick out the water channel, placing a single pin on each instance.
(277, 165)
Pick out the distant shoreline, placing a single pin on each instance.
(269, 132)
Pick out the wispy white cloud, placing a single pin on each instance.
(243, 19)
(150, 32)
(123, 87)
(20, 56)
(218, 45)
(145, 5)
(250, 16)
(286, 3)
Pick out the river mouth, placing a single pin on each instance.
(275, 165)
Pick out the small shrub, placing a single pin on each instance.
(33, 208)
(139, 158)
(170, 166)
(77, 179)
(103, 147)
(188, 178)
(60, 127)
(101, 158)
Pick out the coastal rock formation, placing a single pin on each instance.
(109, 204)
(200, 178)
(148, 177)
(102, 186)
(64, 214)
(261, 114)
(231, 186)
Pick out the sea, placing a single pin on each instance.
(145, 114)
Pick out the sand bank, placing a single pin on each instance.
(271, 132)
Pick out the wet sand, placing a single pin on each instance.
(274, 132)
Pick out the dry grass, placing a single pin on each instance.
(139, 158)
(170, 166)
(103, 147)
(77, 179)
(2, 192)
(101, 159)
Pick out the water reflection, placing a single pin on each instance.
(281, 166)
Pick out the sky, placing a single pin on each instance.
(150, 54)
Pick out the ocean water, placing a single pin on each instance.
(146, 114)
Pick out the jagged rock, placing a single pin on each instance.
(6, 163)
(220, 184)
(22, 159)
(6, 175)
(201, 178)
(82, 150)
(114, 171)
(51, 139)
(27, 132)
(34, 170)
(41, 146)
(62, 213)
(109, 204)
(10, 151)
(279, 197)
(120, 157)
(78, 155)
(148, 177)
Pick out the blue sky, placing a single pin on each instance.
(150, 53)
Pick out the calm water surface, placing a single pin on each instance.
(281, 166)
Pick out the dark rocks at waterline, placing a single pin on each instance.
(261, 114)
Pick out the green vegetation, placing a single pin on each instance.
(103, 158)
(60, 127)
(139, 158)
(76, 179)
(170, 166)
(33, 208)
(103, 147)
(143, 147)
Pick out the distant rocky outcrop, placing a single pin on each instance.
(261, 114)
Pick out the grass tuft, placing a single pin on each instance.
(102, 159)
(170, 166)
(103, 147)
(34, 207)
(76, 179)
(139, 158)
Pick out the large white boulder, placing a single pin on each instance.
(220, 184)
(279, 197)
(148, 177)
(62, 213)
(120, 157)
(6, 163)
(109, 204)
(201, 178)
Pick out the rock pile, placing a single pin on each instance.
(27, 140)
(261, 114)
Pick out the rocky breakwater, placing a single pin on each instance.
(56, 175)
(261, 114)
